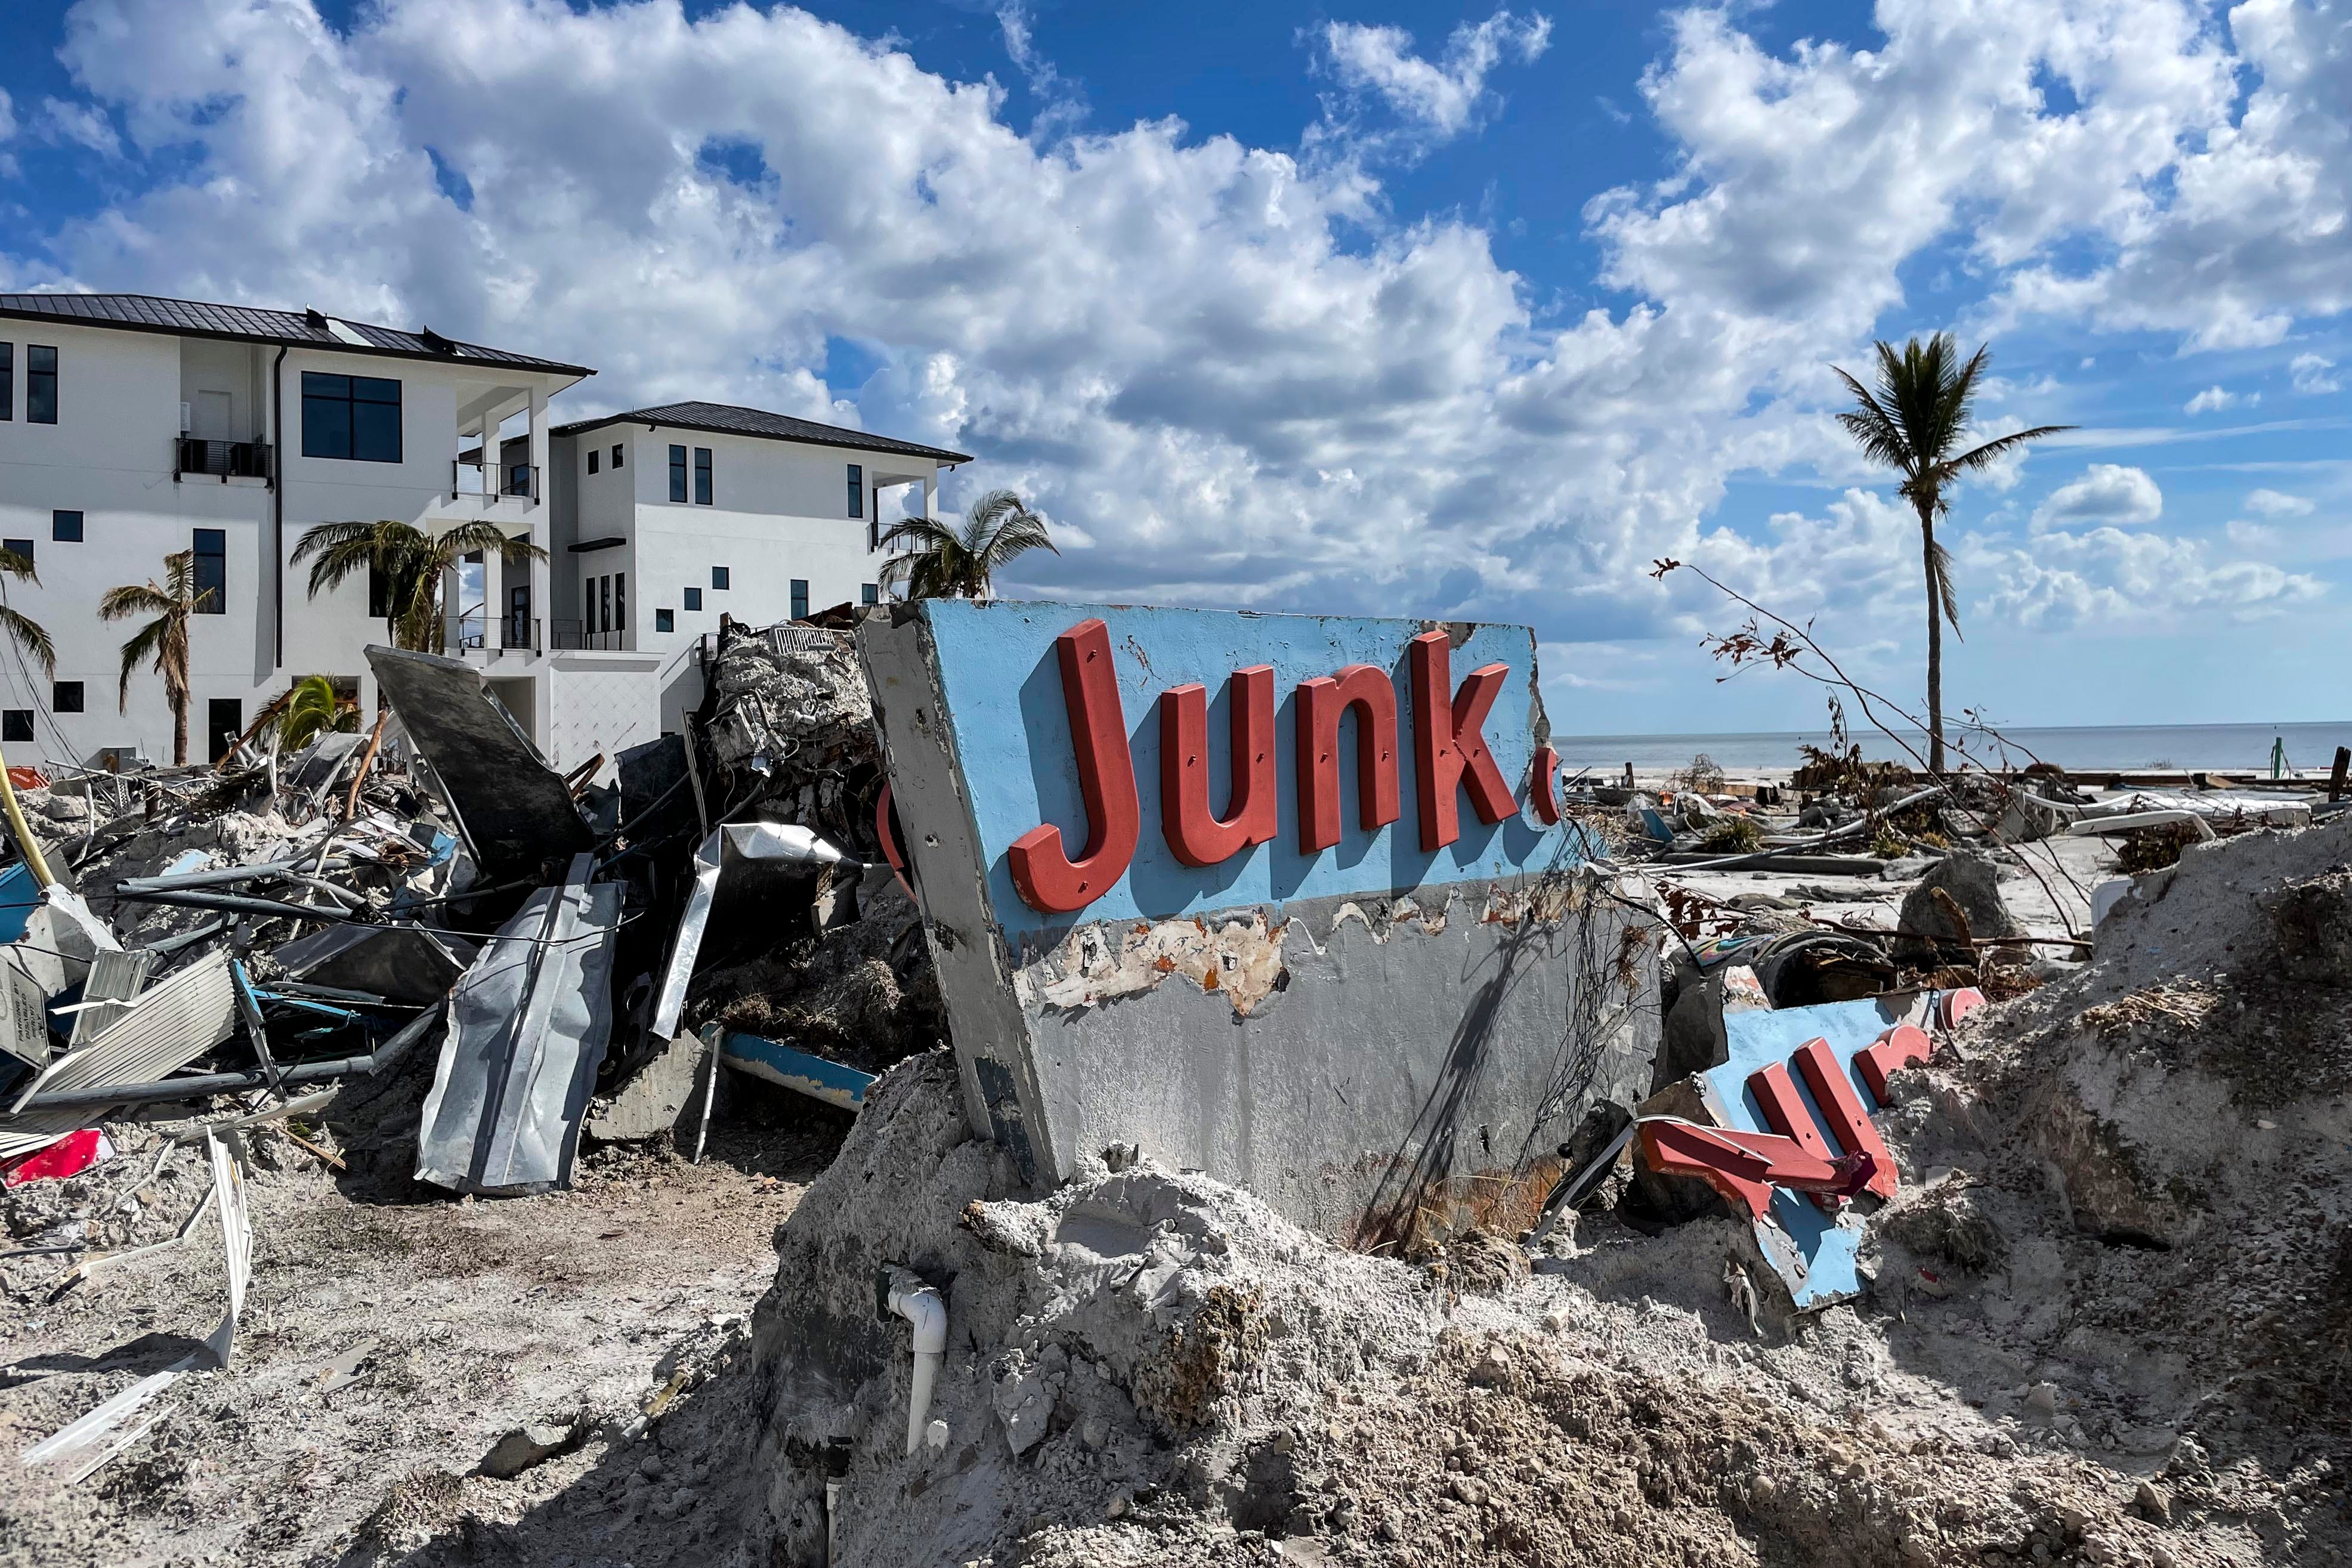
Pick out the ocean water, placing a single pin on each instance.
(2238, 747)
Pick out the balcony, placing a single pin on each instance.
(477, 633)
(577, 634)
(224, 460)
(510, 480)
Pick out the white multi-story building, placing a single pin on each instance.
(133, 427)
(667, 517)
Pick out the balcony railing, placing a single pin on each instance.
(512, 481)
(477, 634)
(225, 460)
(562, 634)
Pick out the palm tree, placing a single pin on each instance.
(945, 562)
(163, 642)
(412, 563)
(1911, 422)
(312, 708)
(24, 629)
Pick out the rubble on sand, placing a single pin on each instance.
(403, 966)
(2102, 1321)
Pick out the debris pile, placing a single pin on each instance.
(431, 964)
(2101, 1319)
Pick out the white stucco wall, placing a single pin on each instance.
(110, 456)
(779, 513)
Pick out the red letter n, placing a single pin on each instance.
(1449, 745)
(1041, 868)
(1197, 836)
(1321, 703)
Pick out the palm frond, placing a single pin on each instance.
(144, 644)
(1940, 565)
(29, 634)
(1978, 457)
(344, 549)
(17, 565)
(132, 599)
(1874, 429)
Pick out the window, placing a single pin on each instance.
(857, 489)
(224, 722)
(379, 593)
(616, 459)
(677, 473)
(620, 602)
(718, 578)
(869, 593)
(16, 723)
(604, 604)
(799, 599)
(703, 476)
(212, 571)
(665, 620)
(591, 460)
(694, 599)
(357, 417)
(40, 388)
(7, 381)
(65, 696)
(64, 527)
(19, 548)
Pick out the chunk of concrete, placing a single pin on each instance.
(524, 1446)
(665, 1093)
(1972, 882)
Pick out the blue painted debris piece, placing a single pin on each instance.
(795, 1069)
(1812, 1252)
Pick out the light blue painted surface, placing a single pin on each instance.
(1759, 1036)
(20, 895)
(1003, 685)
(795, 1069)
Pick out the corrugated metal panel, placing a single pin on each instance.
(174, 1021)
(528, 1027)
(116, 975)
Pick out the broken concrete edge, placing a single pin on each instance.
(1237, 952)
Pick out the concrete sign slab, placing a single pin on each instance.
(1285, 898)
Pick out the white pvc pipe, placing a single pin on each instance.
(923, 1308)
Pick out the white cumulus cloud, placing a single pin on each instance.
(2106, 492)
(2107, 577)
(2214, 399)
(2279, 503)
(1225, 371)
(2313, 375)
(1445, 95)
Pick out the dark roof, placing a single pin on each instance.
(247, 323)
(726, 419)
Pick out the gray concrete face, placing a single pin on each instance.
(1349, 1058)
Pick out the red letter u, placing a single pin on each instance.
(1321, 703)
(1041, 868)
(1196, 835)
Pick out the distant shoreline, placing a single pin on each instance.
(2240, 749)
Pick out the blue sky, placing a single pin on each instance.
(1444, 310)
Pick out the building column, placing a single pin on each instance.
(542, 534)
(932, 494)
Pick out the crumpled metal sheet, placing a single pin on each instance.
(786, 843)
(172, 1023)
(516, 811)
(528, 1024)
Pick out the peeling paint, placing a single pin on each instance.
(1241, 955)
